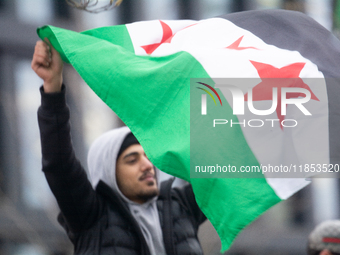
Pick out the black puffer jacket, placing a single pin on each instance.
(99, 222)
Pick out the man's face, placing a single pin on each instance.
(136, 175)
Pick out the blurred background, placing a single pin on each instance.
(28, 210)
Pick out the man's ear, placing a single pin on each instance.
(325, 252)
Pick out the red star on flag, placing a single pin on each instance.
(167, 37)
(263, 90)
(167, 34)
(236, 45)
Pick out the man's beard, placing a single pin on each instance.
(147, 195)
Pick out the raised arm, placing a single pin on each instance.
(47, 64)
(67, 179)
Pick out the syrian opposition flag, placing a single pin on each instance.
(195, 94)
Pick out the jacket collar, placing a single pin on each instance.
(115, 201)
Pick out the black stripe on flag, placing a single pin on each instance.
(296, 31)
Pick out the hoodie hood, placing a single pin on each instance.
(102, 158)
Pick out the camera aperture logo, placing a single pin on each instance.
(204, 97)
(282, 92)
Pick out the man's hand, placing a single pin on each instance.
(48, 66)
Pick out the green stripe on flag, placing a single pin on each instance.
(149, 94)
(232, 204)
(117, 35)
(152, 96)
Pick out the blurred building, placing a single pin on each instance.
(27, 208)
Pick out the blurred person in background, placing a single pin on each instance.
(325, 239)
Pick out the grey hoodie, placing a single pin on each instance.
(101, 160)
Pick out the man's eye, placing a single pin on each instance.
(131, 161)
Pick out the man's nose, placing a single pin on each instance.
(146, 164)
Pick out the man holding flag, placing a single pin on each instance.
(152, 75)
(126, 210)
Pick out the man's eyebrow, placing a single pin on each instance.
(131, 154)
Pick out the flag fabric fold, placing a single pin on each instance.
(143, 72)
